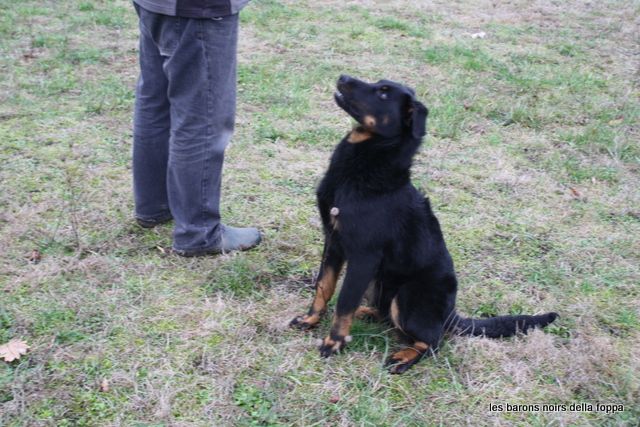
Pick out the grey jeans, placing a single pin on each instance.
(184, 118)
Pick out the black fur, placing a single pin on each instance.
(386, 230)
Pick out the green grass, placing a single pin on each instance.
(532, 164)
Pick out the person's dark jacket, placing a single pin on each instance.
(194, 8)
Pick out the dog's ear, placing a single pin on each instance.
(416, 117)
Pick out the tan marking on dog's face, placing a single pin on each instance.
(369, 122)
(324, 290)
(358, 135)
(385, 120)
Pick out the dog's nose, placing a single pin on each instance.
(344, 79)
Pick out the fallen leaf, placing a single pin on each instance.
(618, 120)
(478, 128)
(13, 350)
(35, 256)
(575, 193)
(479, 35)
(334, 399)
(104, 385)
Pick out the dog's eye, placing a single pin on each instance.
(383, 95)
(382, 92)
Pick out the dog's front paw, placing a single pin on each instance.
(305, 322)
(333, 344)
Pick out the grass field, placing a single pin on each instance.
(532, 164)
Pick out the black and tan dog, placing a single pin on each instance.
(375, 220)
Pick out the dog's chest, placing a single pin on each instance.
(351, 212)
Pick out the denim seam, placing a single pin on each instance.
(209, 119)
(179, 33)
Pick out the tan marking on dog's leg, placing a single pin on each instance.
(409, 354)
(342, 324)
(364, 311)
(325, 289)
(339, 335)
(394, 313)
(328, 341)
(311, 319)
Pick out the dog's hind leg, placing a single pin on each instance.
(422, 322)
(369, 309)
(402, 360)
(364, 312)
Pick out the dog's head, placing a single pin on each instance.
(384, 108)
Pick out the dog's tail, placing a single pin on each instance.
(500, 326)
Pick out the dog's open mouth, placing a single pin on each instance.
(344, 103)
(339, 97)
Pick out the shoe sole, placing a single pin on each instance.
(205, 252)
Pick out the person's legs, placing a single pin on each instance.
(198, 61)
(150, 132)
(202, 93)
